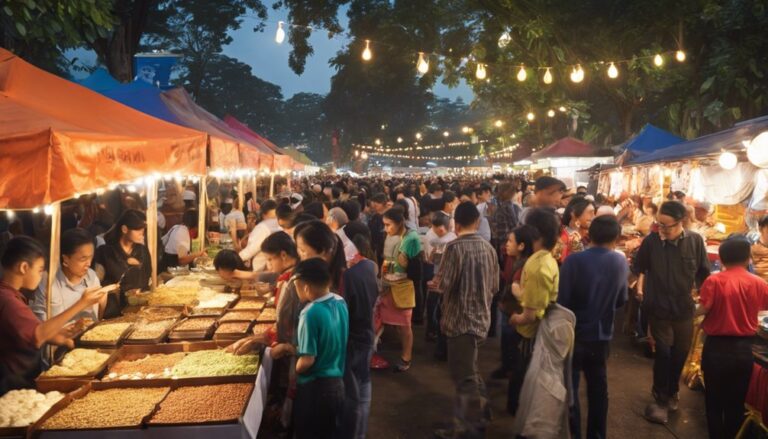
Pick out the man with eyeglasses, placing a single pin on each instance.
(673, 262)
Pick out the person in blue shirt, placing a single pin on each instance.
(593, 284)
(322, 350)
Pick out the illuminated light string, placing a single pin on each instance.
(363, 150)
(387, 149)
(482, 67)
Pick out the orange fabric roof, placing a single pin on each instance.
(58, 138)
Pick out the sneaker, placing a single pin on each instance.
(656, 413)
(402, 365)
(674, 402)
(378, 362)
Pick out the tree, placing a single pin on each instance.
(303, 124)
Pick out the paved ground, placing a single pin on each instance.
(413, 404)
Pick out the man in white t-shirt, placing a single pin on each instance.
(267, 226)
(337, 220)
(232, 221)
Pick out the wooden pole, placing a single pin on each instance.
(272, 185)
(241, 193)
(202, 211)
(152, 227)
(53, 265)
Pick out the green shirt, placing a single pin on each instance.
(323, 332)
(539, 283)
(410, 246)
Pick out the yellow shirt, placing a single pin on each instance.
(539, 283)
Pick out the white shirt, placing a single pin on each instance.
(65, 294)
(161, 220)
(350, 250)
(234, 219)
(177, 241)
(188, 195)
(413, 215)
(252, 251)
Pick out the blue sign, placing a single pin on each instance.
(154, 68)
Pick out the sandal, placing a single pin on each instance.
(402, 365)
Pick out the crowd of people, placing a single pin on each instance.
(345, 258)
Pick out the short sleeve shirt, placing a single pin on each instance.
(733, 297)
(539, 283)
(178, 241)
(19, 357)
(323, 332)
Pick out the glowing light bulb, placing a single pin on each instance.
(548, 76)
(466, 130)
(418, 136)
(280, 34)
(680, 56)
(36, 210)
(364, 156)
(480, 73)
(728, 160)
(367, 54)
(446, 134)
(399, 140)
(562, 109)
(357, 153)
(613, 72)
(658, 60)
(522, 74)
(48, 209)
(423, 64)
(530, 116)
(499, 123)
(551, 113)
(504, 39)
(9, 214)
(577, 74)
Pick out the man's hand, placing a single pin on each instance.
(92, 296)
(639, 294)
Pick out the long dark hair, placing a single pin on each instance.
(525, 235)
(321, 238)
(133, 219)
(575, 209)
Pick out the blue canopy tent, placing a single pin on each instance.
(648, 140)
(730, 139)
(99, 81)
(143, 97)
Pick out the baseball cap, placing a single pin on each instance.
(296, 200)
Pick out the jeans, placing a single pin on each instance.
(727, 366)
(357, 392)
(317, 408)
(525, 351)
(590, 357)
(673, 341)
(442, 345)
(470, 388)
(433, 320)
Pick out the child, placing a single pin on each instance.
(322, 335)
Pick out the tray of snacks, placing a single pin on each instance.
(19, 409)
(217, 362)
(207, 312)
(203, 404)
(261, 329)
(193, 328)
(268, 315)
(240, 316)
(154, 313)
(108, 333)
(219, 300)
(79, 363)
(150, 332)
(231, 330)
(250, 303)
(142, 366)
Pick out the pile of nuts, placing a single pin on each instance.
(245, 316)
(268, 315)
(107, 409)
(233, 328)
(202, 324)
(149, 367)
(215, 363)
(106, 332)
(78, 362)
(223, 402)
(151, 330)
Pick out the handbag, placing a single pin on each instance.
(403, 293)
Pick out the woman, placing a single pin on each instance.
(576, 220)
(124, 253)
(229, 265)
(314, 239)
(177, 243)
(760, 249)
(644, 222)
(73, 279)
(401, 252)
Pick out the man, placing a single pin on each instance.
(581, 190)
(484, 206)
(507, 215)
(547, 192)
(450, 203)
(267, 226)
(285, 216)
(337, 220)
(671, 261)
(428, 201)
(466, 316)
(376, 225)
(593, 284)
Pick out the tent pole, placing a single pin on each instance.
(241, 193)
(53, 265)
(152, 227)
(202, 213)
(272, 185)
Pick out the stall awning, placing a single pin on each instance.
(100, 80)
(58, 139)
(281, 161)
(566, 147)
(650, 139)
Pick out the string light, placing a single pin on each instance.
(367, 54)
(377, 142)
(280, 34)
(680, 56)
(548, 76)
(446, 133)
(422, 65)
(399, 140)
(522, 74)
(499, 123)
(551, 113)
(530, 116)
(577, 74)
(562, 109)
(504, 40)
(480, 72)
(658, 60)
(728, 160)
(418, 136)
(613, 72)
(466, 130)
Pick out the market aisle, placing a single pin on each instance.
(413, 404)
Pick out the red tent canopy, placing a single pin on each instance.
(566, 147)
(282, 161)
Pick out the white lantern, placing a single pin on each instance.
(757, 151)
(728, 160)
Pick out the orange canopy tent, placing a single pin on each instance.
(58, 138)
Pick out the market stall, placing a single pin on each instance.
(565, 157)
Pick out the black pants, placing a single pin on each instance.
(525, 350)
(590, 357)
(317, 408)
(727, 366)
(673, 341)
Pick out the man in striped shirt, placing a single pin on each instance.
(468, 279)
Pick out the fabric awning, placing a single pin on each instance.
(565, 147)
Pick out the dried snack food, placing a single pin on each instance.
(155, 313)
(220, 300)
(249, 303)
(150, 330)
(147, 367)
(215, 403)
(267, 315)
(107, 409)
(197, 311)
(197, 324)
(233, 328)
(77, 362)
(176, 295)
(216, 363)
(106, 332)
(261, 329)
(240, 316)
(20, 408)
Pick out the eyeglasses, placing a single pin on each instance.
(663, 226)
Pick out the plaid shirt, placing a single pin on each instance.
(505, 219)
(469, 277)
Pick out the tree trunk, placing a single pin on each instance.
(117, 50)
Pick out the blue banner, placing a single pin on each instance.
(154, 68)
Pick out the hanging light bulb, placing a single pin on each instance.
(367, 54)
(577, 74)
(399, 140)
(613, 72)
(280, 34)
(680, 56)
(757, 150)
(548, 76)
(418, 136)
(728, 160)
(357, 153)
(499, 123)
(551, 113)
(48, 209)
(522, 74)
(9, 214)
(562, 109)
(480, 72)
(36, 210)
(504, 39)
(446, 134)
(658, 60)
(422, 65)
(377, 142)
(530, 116)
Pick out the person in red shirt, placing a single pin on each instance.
(730, 301)
(22, 335)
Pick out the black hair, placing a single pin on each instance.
(575, 209)
(674, 209)
(763, 222)
(284, 212)
(379, 198)
(546, 182)
(449, 197)
(546, 222)
(313, 271)
(526, 235)
(268, 206)
(403, 205)
(467, 192)
(279, 242)
(73, 239)
(439, 219)
(466, 214)
(131, 218)
(395, 214)
(484, 187)
(21, 249)
(321, 238)
(335, 193)
(228, 260)
(578, 188)
(190, 218)
(435, 187)
(604, 229)
(315, 209)
(302, 218)
(352, 209)
(360, 235)
(735, 250)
